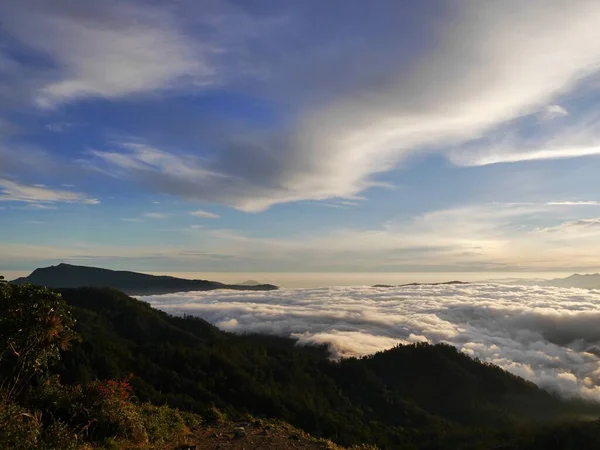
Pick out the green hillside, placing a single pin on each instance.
(418, 396)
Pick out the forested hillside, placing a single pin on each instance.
(409, 397)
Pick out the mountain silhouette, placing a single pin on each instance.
(132, 283)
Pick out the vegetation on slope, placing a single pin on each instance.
(411, 395)
(37, 411)
(418, 396)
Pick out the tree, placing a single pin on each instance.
(35, 325)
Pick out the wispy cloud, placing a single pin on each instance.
(155, 215)
(512, 154)
(575, 203)
(204, 214)
(38, 206)
(11, 191)
(58, 127)
(470, 238)
(106, 49)
(553, 111)
(448, 101)
(576, 226)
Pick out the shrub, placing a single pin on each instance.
(58, 436)
(162, 423)
(214, 416)
(105, 407)
(35, 325)
(104, 411)
(191, 420)
(19, 428)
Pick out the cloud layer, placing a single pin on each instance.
(485, 85)
(11, 191)
(547, 335)
(466, 97)
(104, 49)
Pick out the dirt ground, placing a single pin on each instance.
(251, 436)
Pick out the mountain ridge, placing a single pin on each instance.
(420, 284)
(577, 280)
(132, 283)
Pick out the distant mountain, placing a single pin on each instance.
(131, 283)
(419, 284)
(249, 283)
(586, 281)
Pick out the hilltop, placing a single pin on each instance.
(132, 283)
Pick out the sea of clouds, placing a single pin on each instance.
(550, 336)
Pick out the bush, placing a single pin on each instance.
(214, 416)
(162, 424)
(192, 421)
(106, 409)
(58, 436)
(19, 428)
(35, 325)
(97, 410)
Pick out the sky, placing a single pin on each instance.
(273, 136)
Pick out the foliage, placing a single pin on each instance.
(163, 424)
(415, 396)
(214, 416)
(37, 411)
(19, 428)
(410, 397)
(35, 324)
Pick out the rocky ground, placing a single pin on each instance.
(254, 435)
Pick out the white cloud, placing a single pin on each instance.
(547, 335)
(204, 214)
(106, 48)
(574, 203)
(474, 237)
(489, 238)
(553, 111)
(155, 215)
(148, 160)
(37, 196)
(530, 58)
(491, 67)
(510, 155)
(577, 226)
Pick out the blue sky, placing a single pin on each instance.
(280, 136)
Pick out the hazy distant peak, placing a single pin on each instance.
(577, 280)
